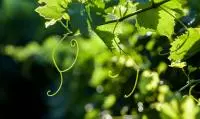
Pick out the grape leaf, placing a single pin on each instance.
(174, 4)
(185, 45)
(166, 23)
(79, 18)
(148, 19)
(109, 39)
(53, 10)
(105, 32)
(96, 13)
(161, 19)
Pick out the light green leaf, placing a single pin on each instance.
(174, 4)
(50, 23)
(158, 19)
(53, 10)
(185, 45)
(166, 23)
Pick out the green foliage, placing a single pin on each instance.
(160, 19)
(105, 32)
(136, 32)
(53, 10)
(185, 45)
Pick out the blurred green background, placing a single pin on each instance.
(27, 72)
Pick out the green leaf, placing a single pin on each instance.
(148, 19)
(99, 3)
(96, 13)
(53, 10)
(50, 23)
(108, 39)
(79, 18)
(105, 32)
(166, 23)
(185, 45)
(158, 19)
(192, 69)
(174, 4)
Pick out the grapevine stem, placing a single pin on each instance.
(189, 84)
(190, 93)
(136, 12)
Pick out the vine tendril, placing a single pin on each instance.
(73, 43)
(126, 96)
(54, 50)
(121, 50)
(61, 82)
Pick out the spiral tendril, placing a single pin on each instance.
(61, 82)
(73, 43)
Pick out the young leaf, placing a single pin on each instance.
(53, 10)
(166, 23)
(186, 45)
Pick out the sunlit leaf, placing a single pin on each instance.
(185, 45)
(53, 10)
